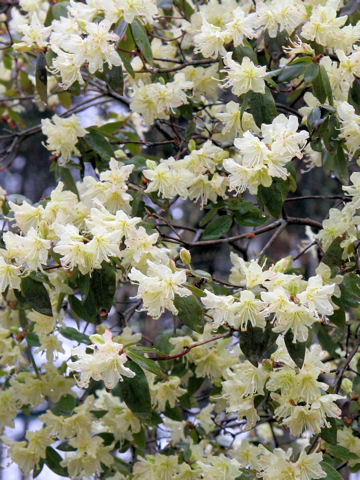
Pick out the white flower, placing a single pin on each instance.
(9, 275)
(63, 134)
(210, 40)
(244, 77)
(31, 249)
(106, 363)
(317, 296)
(158, 287)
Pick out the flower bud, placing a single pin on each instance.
(192, 145)
(185, 256)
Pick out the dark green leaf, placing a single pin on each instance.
(340, 452)
(114, 78)
(245, 50)
(295, 350)
(103, 286)
(325, 340)
(314, 118)
(331, 473)
(333, 255)
(254, 342)
(338, 318)
(262, 107)
(120, 29)
(53, 460)
(311, 72)
(99, 144)
(271, 198)
(65, 99)
(173, 413)
(217, 228)
(32, 339)
(75, 335)
(36, 295)
(67, 403)
(41, 77)
(330, 434)
(135, 392)
(140, 38)
(321, 86)
(144, 362)
(68, 179)
(84, 286)
(85, 310)
(127, 63)
(189, 312)
(290, 72)
(326, 84)
(275, 45)
(110, 128)
(140, 439)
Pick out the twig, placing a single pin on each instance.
(188, 348)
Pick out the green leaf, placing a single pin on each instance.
(135, 392)
(295, 350)
(109, 128)
(75, 335)
(103, 286)
(331, 473)
(330, 434)
(99, 144)
(325, 340)
(190, 313)
(254, 342)
(140, 439)
(249, 215)
(174, 413)
(311, 72)
(245, 50)
(338, 318)
(209, 215)
(144, 362)
(32, 339)
(140, 38)
(333, 255)
(262, 107)
(38, 468)
(85, 310)
(336, 162)
(352, 283)
(340, 452)
(67, 403)
(68, 179)
(36, 295)
(41, 77)
(326, 84)
(184, 7)
(217, 228)
(53, 460)
(271, 198)
(321, 86)
(127, 64)
(290, 72)
(114, 78)
(65, 99)
(84, 286)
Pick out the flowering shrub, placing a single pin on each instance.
(223, 108)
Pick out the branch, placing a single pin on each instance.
(188, 348)
(344, 366)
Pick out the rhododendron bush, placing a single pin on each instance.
(137, 360)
